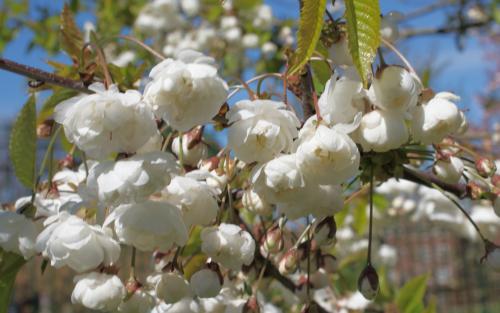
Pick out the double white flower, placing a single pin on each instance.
(186, 91)
(196, 200)
(149, 225)
(261, 129)
(229, 245)
(69, 240)
(328, 157)
(436, 119)
(130, 180)
(98, 291)
(106, 122)
(17, 234)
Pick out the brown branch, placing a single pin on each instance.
(442, 30)
(427, 179)
(43, 76)
(427, 9)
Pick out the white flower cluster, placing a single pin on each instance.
(131, 191)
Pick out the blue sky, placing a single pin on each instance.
(463, 72)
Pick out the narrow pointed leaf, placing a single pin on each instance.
(310, 24)
(10, 264)
(22, 145)
(71, 37)
(363, 33)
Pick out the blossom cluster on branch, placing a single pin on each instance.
(142, 176)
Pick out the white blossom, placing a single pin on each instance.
(395, 89)
(170, 287)
(98, 291)
(187, 91)
(253, 202)
(342, 99)
(261, 129)
(190, 7)
(17, 234)
(229, 245)
(250, 40)
(328, 157)
(436, 119)
(277, 179)
(318, 200)
(149, 225)
(159, 15)
(389, 29)
(185, 305)
(205, 283)
(140, 301)
(269, 49)
(339, 53)
(69, 240)
(382, 131)
(195, 200)
(263, 17)
(107, 121)
(190, 156)
(449, 171)
(130, 180)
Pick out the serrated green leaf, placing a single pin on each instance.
(363, 33)
(71, 37)
(22, 144)
(10, 264)
(57, 97)
(310, 25)
(410, 297)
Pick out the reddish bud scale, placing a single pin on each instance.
(485, 167)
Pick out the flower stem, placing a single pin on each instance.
(370, 230)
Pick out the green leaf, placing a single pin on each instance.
(310, 25)
(432, 307)
(57, 97)
(193, 265)
(409, 299)
(10, 264)
(22, 145)
(363, 33)
(360, 217)
(71, 37)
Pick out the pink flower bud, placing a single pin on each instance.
(289, 262)
(485, 167)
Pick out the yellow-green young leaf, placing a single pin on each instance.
(363, 33)
(10, 264)
(22, 144)
(310, 24)
(410, 298)
(71, 37)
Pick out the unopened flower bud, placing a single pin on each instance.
(368, 283)
(477, 190)
(207, 282)
(209, 164)
(67, 162)
(495, 180)
(325, 231)
(485, 167)
(251, 306)
(44, 129)
(131, 287)
(272, 241)
(289, 262)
